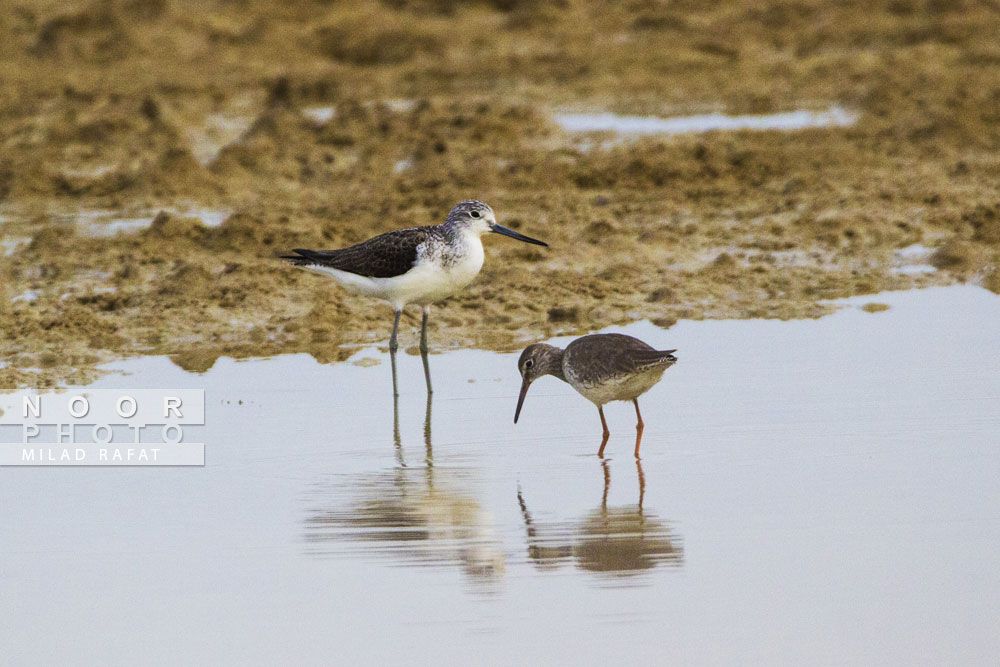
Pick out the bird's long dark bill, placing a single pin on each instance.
(520, 399)
(499, 229)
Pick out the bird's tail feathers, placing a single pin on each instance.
(302, 257)
(661, 357)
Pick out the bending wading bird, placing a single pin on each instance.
(421, 265)
(602, 368)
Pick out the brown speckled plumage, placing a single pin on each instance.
(600, 357)
(601, 368)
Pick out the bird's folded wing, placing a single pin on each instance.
(618, 362)
(386, 256)
(613, 355)
(652, 358)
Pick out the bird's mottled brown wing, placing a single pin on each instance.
(384, 256)
(613, 355)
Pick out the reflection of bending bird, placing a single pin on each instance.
(618, 540)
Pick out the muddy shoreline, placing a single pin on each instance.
(229, 132)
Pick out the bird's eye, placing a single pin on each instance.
(529, 363)
(474, 214)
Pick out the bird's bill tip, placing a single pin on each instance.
(520, 399)
(500, 229)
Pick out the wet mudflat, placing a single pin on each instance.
(683, 160)
(819, 491)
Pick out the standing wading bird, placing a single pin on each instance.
(602, 368)
(421, 265)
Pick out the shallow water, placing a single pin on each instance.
(820, 492)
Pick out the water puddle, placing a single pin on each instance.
(794, 474)
(400, 105)
(403, 165)
(102, 224)
(210, 217)
(89, 172)
(913, 260)
(12, 245)
(218, 131)
(324, 114)
(106, 223)
(320, 115)
(835, 116)
(27, 296)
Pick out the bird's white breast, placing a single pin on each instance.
(469, 263)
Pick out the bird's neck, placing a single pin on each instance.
(461, 234)
(555, 364)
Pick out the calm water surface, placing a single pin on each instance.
(821, 492)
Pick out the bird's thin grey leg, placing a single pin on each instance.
(423, 351)
(428, 448)
(396, 439)
(393, 345)
(638, 427)
(607, 433)
(427, 372)
(423, 330)
(395, 382)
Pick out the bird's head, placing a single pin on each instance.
(478, 218)
(537, 360)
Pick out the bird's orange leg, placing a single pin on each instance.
(642, 483)
(607, 433)
(607, 484)
(638, 427)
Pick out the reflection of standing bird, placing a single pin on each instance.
(401, 514)
(416, 514)
(602, 368)
(421, 265)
